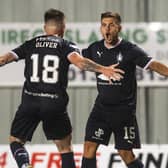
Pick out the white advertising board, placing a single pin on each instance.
(46, 156)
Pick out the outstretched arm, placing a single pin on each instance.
(89, 65)
(7, 58)
(158, 67)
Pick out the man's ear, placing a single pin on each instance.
(44, 27)
(119, 28)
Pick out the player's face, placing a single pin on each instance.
(110, 30)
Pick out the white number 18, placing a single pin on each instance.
(52, 69)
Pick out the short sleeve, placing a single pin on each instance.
(70, 47)
(86, 52)
(21, 50)
(140, 57)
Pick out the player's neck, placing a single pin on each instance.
(54, 33)
(113, 44)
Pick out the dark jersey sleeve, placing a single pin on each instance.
(140, 57)
(70, 47)
(86, 52)
(22, 50)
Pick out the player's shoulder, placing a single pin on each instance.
(127, 45)
(97, 44)
(68, 42)
(32, 40)
(131, 47)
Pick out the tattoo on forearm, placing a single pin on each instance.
(160, 68)
(88, 65)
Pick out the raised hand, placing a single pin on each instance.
(112, 72)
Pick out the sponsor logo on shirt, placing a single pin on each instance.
(129, 141)
(105, 80)
(99, 53)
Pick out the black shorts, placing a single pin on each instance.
(51, 112)
(119, 120)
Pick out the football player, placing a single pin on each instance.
(115, 106)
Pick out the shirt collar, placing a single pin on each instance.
(113, 46)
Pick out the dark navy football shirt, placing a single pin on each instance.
(128, 55)
(46, 63)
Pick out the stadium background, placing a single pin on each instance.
(152, 101)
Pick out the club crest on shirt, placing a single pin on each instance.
(119, 57)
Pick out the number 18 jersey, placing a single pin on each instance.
(46, 63)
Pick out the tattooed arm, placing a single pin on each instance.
(158, 67)
(89, 65)
(7, 58)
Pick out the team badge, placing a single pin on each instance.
(99, 132)
(119, 57)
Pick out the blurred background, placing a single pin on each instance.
(152, 106)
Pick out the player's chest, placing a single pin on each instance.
(108, 57)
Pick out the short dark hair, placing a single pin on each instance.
(54, 14)
(113, 15)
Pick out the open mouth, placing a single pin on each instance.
(108, 37)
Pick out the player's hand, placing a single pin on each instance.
(2, 61)
(7, 58)
(113, 73)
